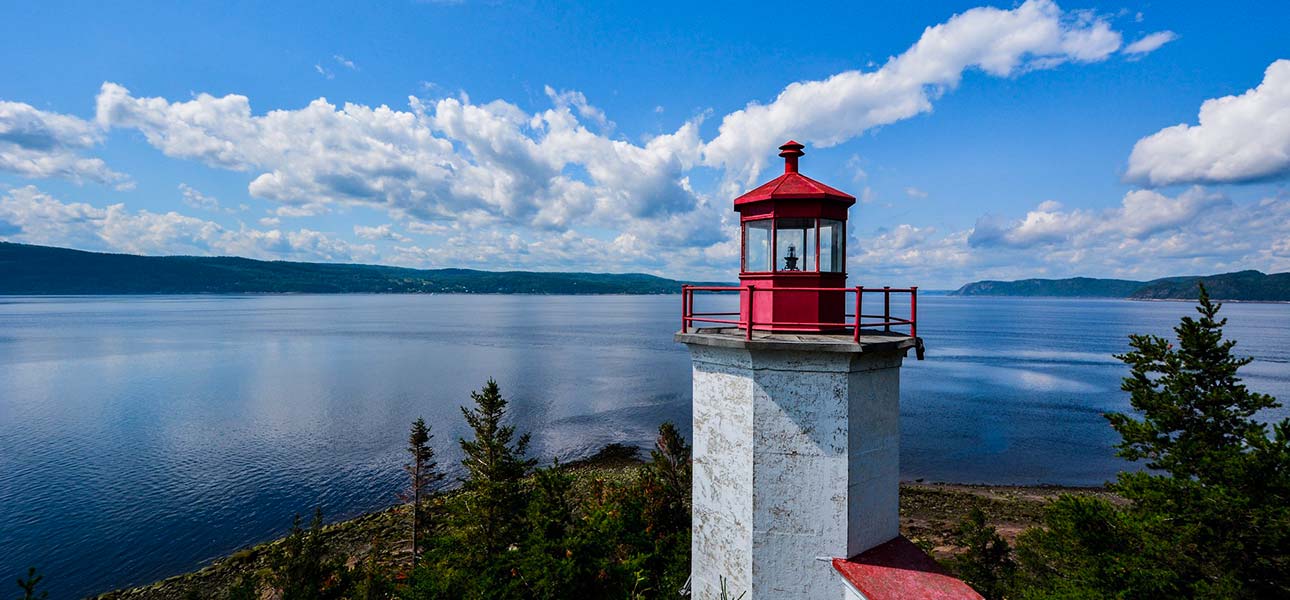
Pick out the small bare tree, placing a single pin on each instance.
(29, 584)
(424, 475)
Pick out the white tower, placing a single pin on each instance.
(796, 458)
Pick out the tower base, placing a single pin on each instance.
(796, 458)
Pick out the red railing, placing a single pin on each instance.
(854, 321)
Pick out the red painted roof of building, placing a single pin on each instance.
(793, 185)
(899, 570)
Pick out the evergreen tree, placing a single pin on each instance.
(29, 585)
(424, 475)
(582, 549)
(665, 510)
(247, 587)
(1196, 413)
(370, 579)
(447, 577)
(667, 484)
(299, 567)
(986, 562)
(1091, 548)
(551, 508)
(554, 565)
(1211, 515)
(611, 543)
(496, 464)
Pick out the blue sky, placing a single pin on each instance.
(985, 140)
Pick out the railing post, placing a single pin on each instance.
(685, 307)
(748, 325)
(886, 307)
(913, 311)
(689, 308)
(859, 295)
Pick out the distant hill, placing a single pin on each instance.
(1077, 287)
(36, 270)
(1242, 285)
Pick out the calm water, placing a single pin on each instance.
(140, 437)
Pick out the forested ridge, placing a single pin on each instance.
(39, 270)
(1248, 286)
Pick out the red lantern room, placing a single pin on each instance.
(793, 243)
(793, 271)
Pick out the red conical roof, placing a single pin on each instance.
(793, 185)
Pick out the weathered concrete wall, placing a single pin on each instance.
(796, 456)
(723, 471)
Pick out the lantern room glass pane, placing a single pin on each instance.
(757, 245)
(795, 244)
(832, 234)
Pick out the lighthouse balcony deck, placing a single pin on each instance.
(869, 341)
(854, 331)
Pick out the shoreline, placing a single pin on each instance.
(929, 512)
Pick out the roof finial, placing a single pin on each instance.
(791, 150)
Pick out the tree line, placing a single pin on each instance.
(510, 529)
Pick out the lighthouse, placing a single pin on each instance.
(796, 421)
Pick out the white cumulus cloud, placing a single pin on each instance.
(513, 167)
(1147, 235)
(380, 232)
(1141, 214)
(1034, 35)
(35, 217)
(196, 199)
(1237, 139)
(40, 144)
